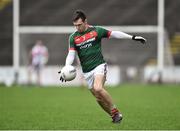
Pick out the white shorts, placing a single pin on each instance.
(89, 76)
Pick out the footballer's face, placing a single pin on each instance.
(80, 25)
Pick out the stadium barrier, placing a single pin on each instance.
(115, 76)
(50, 76)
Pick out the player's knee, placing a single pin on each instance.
(97, 89)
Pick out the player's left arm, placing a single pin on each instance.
(122, 35)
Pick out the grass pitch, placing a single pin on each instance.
(149, 107)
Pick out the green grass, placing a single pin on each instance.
(149, 107)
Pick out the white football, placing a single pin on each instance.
(68, 72)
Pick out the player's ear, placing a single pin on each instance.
(85, 21)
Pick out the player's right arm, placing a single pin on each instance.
(71, 55)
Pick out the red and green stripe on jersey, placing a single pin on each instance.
(79, 40)
(88, 46)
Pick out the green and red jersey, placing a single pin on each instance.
(88, 46)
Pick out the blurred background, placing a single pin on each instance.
(23, 22)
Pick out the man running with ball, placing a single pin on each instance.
(86, 43)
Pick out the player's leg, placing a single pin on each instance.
(95, 80)
(38, 78)
(103, 97)
(30, 69)
(38, 73)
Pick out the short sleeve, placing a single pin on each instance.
(71, 43)
(103, 33)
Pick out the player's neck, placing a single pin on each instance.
(86, 27)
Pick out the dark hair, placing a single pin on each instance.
(79, 14)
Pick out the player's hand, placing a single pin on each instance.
(139, 38)
(61, 77)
